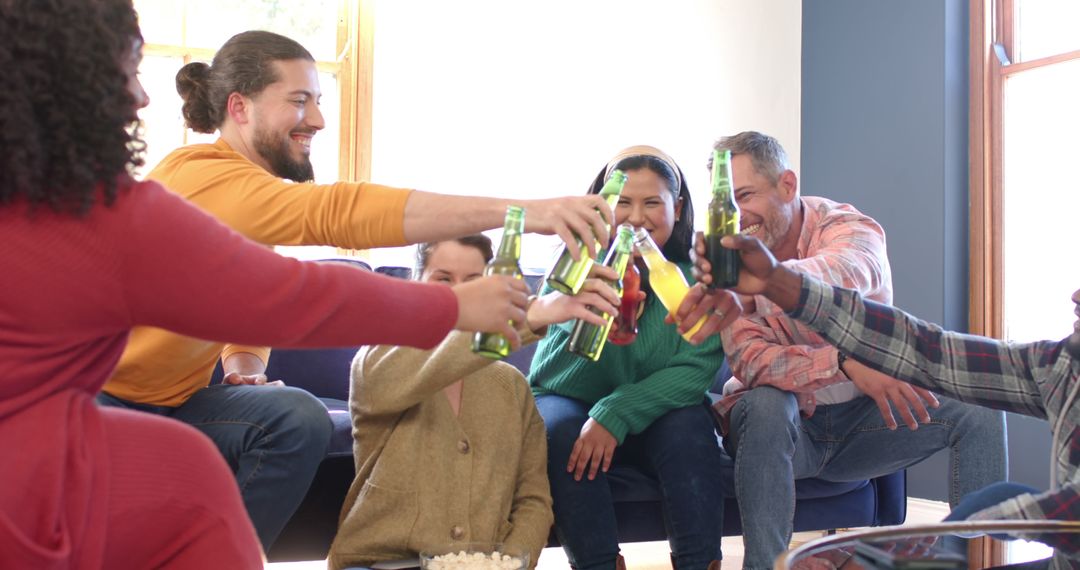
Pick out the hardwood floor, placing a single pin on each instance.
(655, 555)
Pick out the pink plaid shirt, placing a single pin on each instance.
(838, 245)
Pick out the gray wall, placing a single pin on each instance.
(884, 127)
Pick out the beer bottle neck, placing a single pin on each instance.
(510, 245)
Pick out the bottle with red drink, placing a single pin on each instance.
(624, 329)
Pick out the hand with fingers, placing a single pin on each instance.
(238, 379)
(593, 450)
(760, 273)
(756, 259)
(721, 307)
(908, 400)
(491, 304)
(586, 217)
(557, 307)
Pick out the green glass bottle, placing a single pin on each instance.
(722, 219)
(586, 339)
(567, 275)
(494, 345)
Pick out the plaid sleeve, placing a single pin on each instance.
(970, 368)
(1063, 504)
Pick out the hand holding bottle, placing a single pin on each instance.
(490, 304)
(666, 279)
(557, 307)
(569, 271)
(714, 309)
(584, 218)
(761, 275)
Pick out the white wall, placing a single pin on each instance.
(508, 98)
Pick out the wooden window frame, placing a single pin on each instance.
(992, 41)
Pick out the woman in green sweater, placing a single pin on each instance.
(642, 404)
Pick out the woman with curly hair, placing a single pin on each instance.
(87, 253)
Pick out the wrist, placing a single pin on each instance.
(532, 319)
(841, 360)
(784, 287)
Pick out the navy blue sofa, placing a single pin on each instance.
(820, 505)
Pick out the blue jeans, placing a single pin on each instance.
(982, 499)
(987, 497)
(679, 449)
(773, 447)
(272, 437)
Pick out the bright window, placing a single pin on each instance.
(1040, 201)
(520, 99)
(1026, 72)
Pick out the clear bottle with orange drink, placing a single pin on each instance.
(665, 278)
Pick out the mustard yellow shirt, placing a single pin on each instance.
(162, 368)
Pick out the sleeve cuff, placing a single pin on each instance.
(611, 422)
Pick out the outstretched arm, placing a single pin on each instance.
(434, 217)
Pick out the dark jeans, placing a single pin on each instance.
(987, 497)
(679, 449)
(272, 437)
(976, 501)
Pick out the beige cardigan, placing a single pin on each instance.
(426, 478)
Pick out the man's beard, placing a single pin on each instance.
(773, 230)
(1072, 345)
(275, 151)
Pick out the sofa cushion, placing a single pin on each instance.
(341, 441)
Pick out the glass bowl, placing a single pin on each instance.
(474, 556)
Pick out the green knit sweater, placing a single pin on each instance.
(630, 386)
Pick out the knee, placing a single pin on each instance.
(976, 421)
(691, 428)
(302, 416)
(766, 409)
(563, 420)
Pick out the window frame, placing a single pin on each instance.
(992, 40)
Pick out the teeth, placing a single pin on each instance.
(748, 230)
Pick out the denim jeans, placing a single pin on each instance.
(679, 449)
(272, 437)
(982, 499)
(773, 447)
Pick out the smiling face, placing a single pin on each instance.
(647, 202)
(285, 117)
(452, 263)
(767, 209)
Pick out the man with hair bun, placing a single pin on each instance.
(261, 94)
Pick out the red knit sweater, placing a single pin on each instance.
(70, 290)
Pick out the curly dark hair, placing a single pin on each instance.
(67, 120)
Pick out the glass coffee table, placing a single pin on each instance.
(942, 546)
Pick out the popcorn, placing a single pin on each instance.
(463, 560)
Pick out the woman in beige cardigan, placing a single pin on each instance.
(449, 446)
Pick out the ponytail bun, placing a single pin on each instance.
(192, 83)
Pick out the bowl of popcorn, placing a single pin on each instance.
(474, 556)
